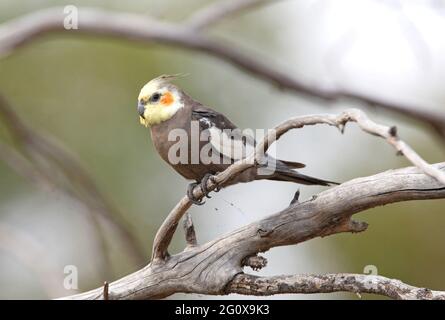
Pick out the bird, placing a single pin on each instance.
(170, 113)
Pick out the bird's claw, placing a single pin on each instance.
(191, 196)
(204, 180)
(218, 187)
(203, 185)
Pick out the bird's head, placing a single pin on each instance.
(158, 101)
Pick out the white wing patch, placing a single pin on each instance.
(206, 122)
(231, 146)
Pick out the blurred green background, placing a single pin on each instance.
(83, 90)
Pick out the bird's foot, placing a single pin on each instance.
(212, 178)
(204, 180)
(191, 196)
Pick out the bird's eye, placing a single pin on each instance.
(155, 97)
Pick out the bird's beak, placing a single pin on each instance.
(141, 110)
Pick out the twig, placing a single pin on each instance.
(165, 233)
(27, 28)
(390, 135)
(189, 230)
(220, 10)
(328, 283)
(105, 292)
(167, 229)
(16, 161)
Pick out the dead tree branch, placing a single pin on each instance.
(134, 27)
(327, 283)
(216, 267)
(210, 268)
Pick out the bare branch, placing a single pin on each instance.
(189, 230)
(390, 135)
(210, 267)
(220, 10)
(16, 161)
(27, 28)
(105, 292)
(166, 231)
(327, 283)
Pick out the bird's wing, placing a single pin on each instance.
(211, 117)
(230, 141)
(225, 138)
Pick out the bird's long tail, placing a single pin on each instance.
(283, 171)
(294, 176)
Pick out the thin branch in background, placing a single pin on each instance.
(29, 27)
(31, 165)
(27, 170)
(20, 164)
(62, 170)
(222, 9)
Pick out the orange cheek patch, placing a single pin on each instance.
(167, 99)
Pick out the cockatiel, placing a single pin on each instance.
(168, 111)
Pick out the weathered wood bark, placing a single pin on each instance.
(211, 268)
(328, 283)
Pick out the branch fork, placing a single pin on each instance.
(216, 267)
(324, 215)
